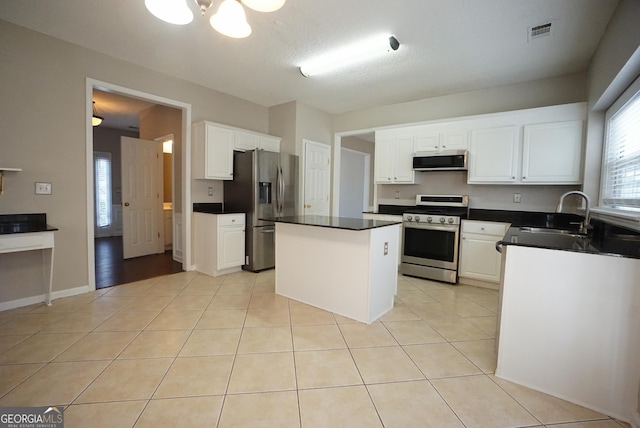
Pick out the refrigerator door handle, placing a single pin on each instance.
(282, 192)
(278, 196)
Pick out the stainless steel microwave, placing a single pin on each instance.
(448, 160)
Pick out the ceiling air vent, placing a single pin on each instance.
(539, 31)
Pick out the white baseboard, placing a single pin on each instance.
(26, 301)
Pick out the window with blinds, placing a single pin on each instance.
(102, 181)
(620, 187)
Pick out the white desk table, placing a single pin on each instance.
(16, 242)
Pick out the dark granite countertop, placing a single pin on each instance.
(208, 207)
(24, 223)
(345, 223)
(604, 239)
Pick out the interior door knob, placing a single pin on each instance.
(126, 204)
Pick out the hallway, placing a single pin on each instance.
(112, 269)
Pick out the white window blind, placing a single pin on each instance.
(621, 157)
(102, 171)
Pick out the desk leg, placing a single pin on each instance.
(48, 270)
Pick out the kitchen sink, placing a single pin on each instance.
(543, 230)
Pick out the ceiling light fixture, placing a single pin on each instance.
(351, 54)
(95, 119)
(230, 19)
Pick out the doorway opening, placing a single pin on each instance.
(107, 265)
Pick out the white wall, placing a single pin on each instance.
(615, 64)
(559, 90)
(352, 183)
(46, 78)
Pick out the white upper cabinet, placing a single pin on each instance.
(213, 146)
(268, 143)
(493, 155)
(212, 151)
(552, 153)
(394, 158)
(537, 153)
(245, 140)
(438, 141)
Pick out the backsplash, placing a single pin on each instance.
(533, 198)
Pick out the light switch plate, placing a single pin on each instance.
(43, 188)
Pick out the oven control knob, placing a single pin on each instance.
(450, 221)
(429, 219)
(441, 219)
(409, 218)
(417, 219)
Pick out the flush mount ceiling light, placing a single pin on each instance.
(229, 20)
(95, 119)
(351, 54)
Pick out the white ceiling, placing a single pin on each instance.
(446, 46)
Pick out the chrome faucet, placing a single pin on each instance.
(587, 216)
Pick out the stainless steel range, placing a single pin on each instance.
(431, 237)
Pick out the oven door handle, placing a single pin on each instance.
(431, 226)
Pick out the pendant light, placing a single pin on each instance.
(95, 119)
(231, 20)
(171, 11)
(264, 5)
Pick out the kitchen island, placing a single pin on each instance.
(343, 265)
(569, 318)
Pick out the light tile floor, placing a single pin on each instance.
(191, 350)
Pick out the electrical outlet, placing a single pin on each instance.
(397, 194)
(43, 188)
(210, 190)
(517, 197)
(386, 248)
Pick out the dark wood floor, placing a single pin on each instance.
(112, 269)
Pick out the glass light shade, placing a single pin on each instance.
(171, 11)
(95, 119)
(349, 55)
(230, 20)
(264, 5)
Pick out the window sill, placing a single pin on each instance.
(628, 219)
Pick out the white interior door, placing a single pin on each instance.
(141, 197)
(317, 178)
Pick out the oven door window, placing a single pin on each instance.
(430, 244)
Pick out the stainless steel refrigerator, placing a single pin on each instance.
(264, 185)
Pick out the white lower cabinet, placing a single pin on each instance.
(231, 241)
(219, 243)
(479, 259)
